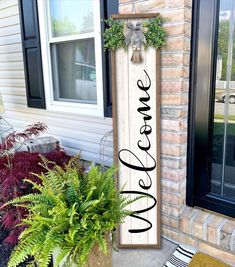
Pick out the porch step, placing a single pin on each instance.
(144, 257)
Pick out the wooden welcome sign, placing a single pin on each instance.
(136, 123)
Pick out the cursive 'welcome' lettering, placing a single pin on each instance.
(124, 154)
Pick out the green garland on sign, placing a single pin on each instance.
(113, 35)
(155, 34)
(152, 29)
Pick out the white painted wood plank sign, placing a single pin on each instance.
(136, 122)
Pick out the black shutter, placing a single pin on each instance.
(32, 53)
(108, 8)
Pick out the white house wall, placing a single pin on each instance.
(76, 133)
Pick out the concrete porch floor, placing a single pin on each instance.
(144, 257)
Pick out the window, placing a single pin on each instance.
(71, 45)
(211, 137)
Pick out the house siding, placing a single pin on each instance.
(76, 133)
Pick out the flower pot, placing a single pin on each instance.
(96, 258)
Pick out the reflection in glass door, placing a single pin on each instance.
(223, 156)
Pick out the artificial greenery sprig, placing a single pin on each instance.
(153, 31)
(113, 35)
(155, 34)
(71, 213)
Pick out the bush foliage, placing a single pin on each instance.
(16, 166)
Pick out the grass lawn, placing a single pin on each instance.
(219, 128)
(221, 117)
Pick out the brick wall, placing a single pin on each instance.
(213, 234)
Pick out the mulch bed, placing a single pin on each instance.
(5, 250)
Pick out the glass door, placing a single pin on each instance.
(223, 144)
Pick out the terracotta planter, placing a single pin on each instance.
(96, 258)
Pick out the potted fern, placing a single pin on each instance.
(72, 213)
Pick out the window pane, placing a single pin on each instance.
(70, 17)
(223, 160)
(74, 71)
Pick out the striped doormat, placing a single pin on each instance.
(181, 257)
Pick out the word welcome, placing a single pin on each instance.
(145, 130)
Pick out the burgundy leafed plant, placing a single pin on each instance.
(30, 132)
(22, 165)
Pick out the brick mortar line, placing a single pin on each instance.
(177, 106)
(232, 244)
(173, 120)
(191, 221)
(176, 121)
(172, 145)
(180, 37)
(183, 94)
(178, 184)
(170, 117)
(181, 180)
(172, 205)
(178, 171)
(218, 231)
(174, 181)
(175, 23)
(179, 52)
(204, 227)
(170, 216)
(175, 131)
(176, 168)
(180, 97)
(175, 52)
(174, 193)
(173, 157)
(178, 206)
(184, 154)
(169, 228)
(178, 66)
(180, 79)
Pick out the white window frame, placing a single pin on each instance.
(46, 38)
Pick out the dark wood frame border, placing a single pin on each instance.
(158, 125)
(201, 109)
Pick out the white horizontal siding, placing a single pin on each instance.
(8, 57)
(7, 4)
(13, 82)
(11, 48)
(9, 11)
(76, 133)
(10, 39)
(15, 29)
(12, 74)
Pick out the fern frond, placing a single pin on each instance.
(102, 243)
(25, 248)
(62, 255)
(35, 185)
